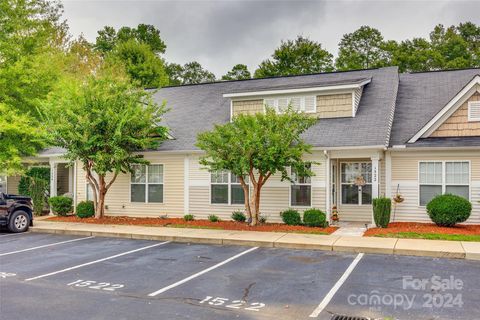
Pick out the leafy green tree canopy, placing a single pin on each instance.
(258, 146)
(238, 72)
(189, 73)
(361, 49)
(141, 64)
(300, 56)
(31, 36)
(102, 122)
(108, 38)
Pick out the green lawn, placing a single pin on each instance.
(430, 236)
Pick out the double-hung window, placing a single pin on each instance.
(225, 188)
(301, 190)
(440, 177)
(147, 183)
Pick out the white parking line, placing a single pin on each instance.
(44, 246)
(12, 234)
(337, 286)
(193, 276)
(96, 261)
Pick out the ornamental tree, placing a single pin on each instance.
(258, 146)
(102, 122)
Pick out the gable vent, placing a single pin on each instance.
(474, 111)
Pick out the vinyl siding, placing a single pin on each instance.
(118, 197)
(334, 106)
(247, 107)
(405, 176)
(275, 194)
(457, 125)
(12, 184)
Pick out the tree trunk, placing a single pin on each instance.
(102, 191)
(255, 204)
(246, 195)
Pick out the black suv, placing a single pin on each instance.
(16, 212)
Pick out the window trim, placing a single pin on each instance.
(444, 178)
(299, 184)
(340, 184)
(146, 185)
(229, 190)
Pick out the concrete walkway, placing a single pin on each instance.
(414, 247)
(352, 229)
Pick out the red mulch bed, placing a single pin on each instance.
(179, 222)
(396, 227)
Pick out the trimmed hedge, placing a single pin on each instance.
(381, 211)
(291, 217)
(448, 209)
(61, 205)
(239, 216)
(85, 209)
(315, 218)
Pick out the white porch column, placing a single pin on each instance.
(375, 173)
(388, 174)
(53, 178)
(328, 185)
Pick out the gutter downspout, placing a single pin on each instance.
(327, 186)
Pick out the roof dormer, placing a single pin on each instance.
(328, 100)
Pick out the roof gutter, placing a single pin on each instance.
(298, 90)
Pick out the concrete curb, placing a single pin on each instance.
(392, 246)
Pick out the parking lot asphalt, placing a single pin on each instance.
(45, 276)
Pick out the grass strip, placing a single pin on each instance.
(431, 236)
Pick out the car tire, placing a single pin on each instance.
(19, 221)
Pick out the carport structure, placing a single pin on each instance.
(45, 276)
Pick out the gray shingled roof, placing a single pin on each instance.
(196, 108)
(450, 142)
(421, 96)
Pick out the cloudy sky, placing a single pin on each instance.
(220, 34)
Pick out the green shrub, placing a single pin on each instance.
(85, 209)
(291, 217)
(213, 218)
(188, 217)
(448, 209)
(315, 218)
(36, 184)
(42, 173)
(239, 216)
(381, 211)
(61, 205)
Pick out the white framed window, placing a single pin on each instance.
(307, 104)
(146, 184)
(356, 183)
(474, 111)
(225, 188)
(301, 190)
(440, 177)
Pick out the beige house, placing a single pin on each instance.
(410, 136)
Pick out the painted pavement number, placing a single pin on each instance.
(90, 284)
(4, 275)
(235, 304)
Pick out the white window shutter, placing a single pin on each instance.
(474, 111)
(269, 103)
(296, 103)
(310, 104)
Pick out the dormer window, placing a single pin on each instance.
(307, 104)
